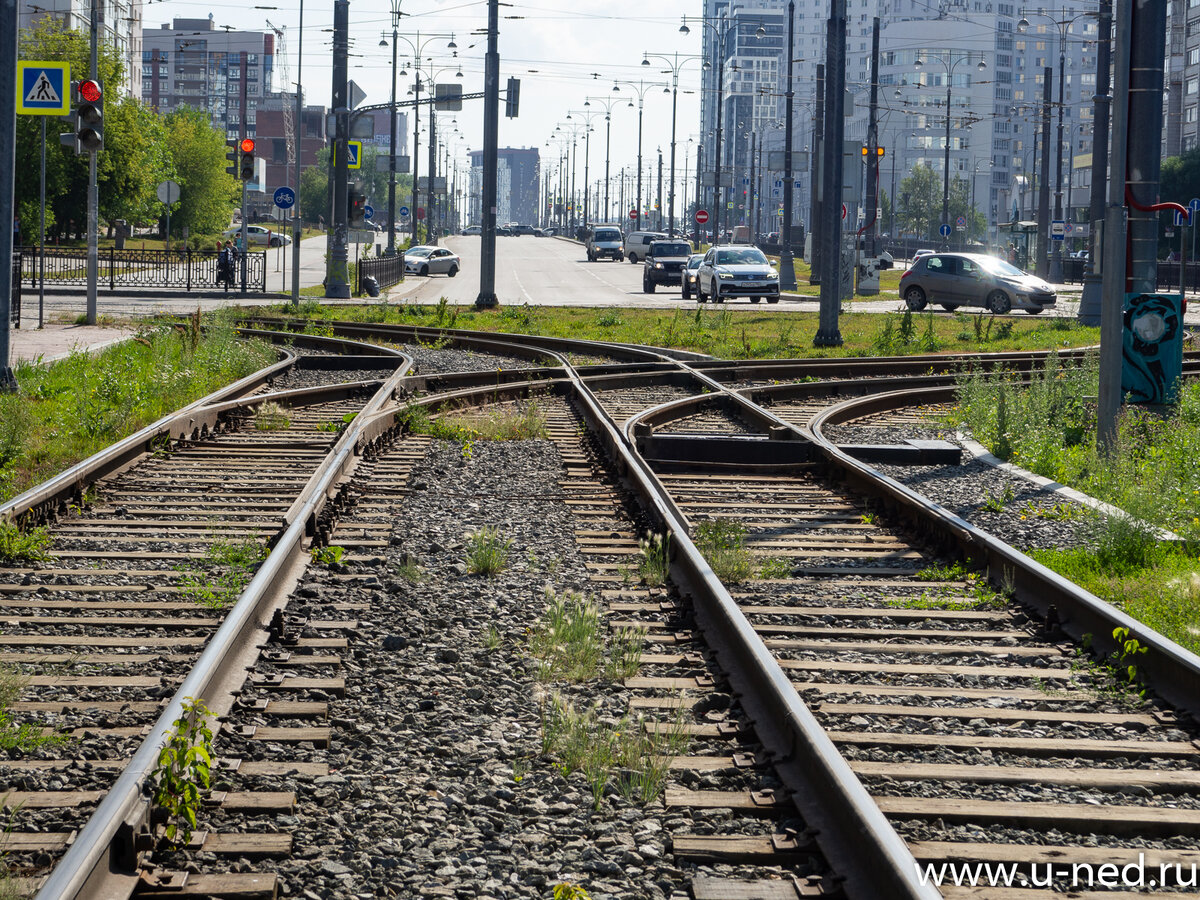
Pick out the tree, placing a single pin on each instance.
(140, 160)
(920, 207)
(314, 189)
(207, 193)
(1179, 181)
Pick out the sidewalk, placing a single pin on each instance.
(57, 341)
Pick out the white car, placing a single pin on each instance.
(736, 271)
(258, 235)
(426, 260)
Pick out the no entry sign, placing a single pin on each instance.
(701, 216)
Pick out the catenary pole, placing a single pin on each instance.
(491, 155)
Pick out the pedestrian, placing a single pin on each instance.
(225, 264)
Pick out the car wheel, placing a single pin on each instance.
(772, 299)
(647, 287)
(685, 293)
(275, 242)
(424, 270)
(914, 298)
(948, 307)
(755, 299)
(998, 302)
(633, 258)
(1035, 310)
(591, 258)
(453, 271)
(716, 294)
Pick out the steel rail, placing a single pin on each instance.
(103, 859)
(193, 419)
(855, 836)
(1172, 671)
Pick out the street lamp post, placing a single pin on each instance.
(608, 103)
(950, 63)
(640, 88)
(587, 115)
(674, 64)
(431, 232)
(787, 270)
(391, 235)
(974, 178)
(1063, 25)
(720, 30)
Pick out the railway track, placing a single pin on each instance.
(868, 710)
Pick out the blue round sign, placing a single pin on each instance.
(404, 212)
(285, 198)
(1194, 204)
(368, 212)
(944, 231)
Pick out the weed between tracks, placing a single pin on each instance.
(723, 543)
(487, 552)
(17, 546)
(218, 578)
(184, 771)
(524, 423)
(271, 416)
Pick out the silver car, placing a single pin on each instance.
(426, 260)
(736, 271)
(689, 275)
(973, 279)
(257, 234)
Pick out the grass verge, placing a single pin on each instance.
(736, 332)
(70, 409)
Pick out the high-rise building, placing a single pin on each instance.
(518, 177)
(120, 27)
(224, 72)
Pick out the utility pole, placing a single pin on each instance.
(699, 167)
(430, 230)
(416, 157)
(1043, 260)
(830, 229)
(93, 194)
(297, 226)
(8, 155)
(818, 160)
(1089, 304)
(491, 157)
(787, 269)
(336, 285)
(391, 241)
(660, 205)
(873, 142)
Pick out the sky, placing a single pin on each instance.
(563, 51)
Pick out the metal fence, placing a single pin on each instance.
(188, 270)
(15, 304)
(387, 270)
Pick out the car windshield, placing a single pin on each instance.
(418, 251)
(997, 266)
(671, 249)
(748, 256)
(694, 262)
(607, 234)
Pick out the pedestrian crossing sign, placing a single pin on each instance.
(43, 88)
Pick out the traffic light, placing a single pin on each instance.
(512, 98)
(231, 154)
(89, 117)
(70, 139)
(358, 206)
(247, 168)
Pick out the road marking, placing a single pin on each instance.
(517, 278)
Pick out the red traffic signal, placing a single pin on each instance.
(90, 91)
(246, 170)
(247, 145)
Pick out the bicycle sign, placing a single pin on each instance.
(285, 198)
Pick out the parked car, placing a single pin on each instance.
(736, 271)
(636, 243)
(689, 275)
(523, 229)
(473, 229)
(549, 231)
(973, 279)
(604, 240)
(426, 260)
(257, 235)
(664, 264)
(921, 253)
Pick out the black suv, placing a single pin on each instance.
(664, 264)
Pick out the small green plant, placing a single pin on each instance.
(328, 556)
(957, 571)
(329, 426)
(566, 890)
(409, 570)
(654, 564)
(996, 502)
(566, 640)
(869, 518)
(610, 319)
(17, 546)
(487, 552)
(270, 416)
(218, 578)
(775, 567)
(1059, 511)
(723, 543)
(1130, 650)
(624, 653)
(491, 638)
(184, 771)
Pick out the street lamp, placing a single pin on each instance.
(608, 103)
(640, 88)
(573, 130)
(418, 47)
(674, 64)
(974, 178)
(588, 115)
(950, 62)
(1063, 26)
(430, 210)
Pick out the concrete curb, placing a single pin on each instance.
(981, 453)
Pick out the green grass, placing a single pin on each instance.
(1150, 476)
(723, 544)
(18, 546)
(569, 645)
(70, 409)
(218, 578)
(524, 422)
(732, 331)
(487, 552)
